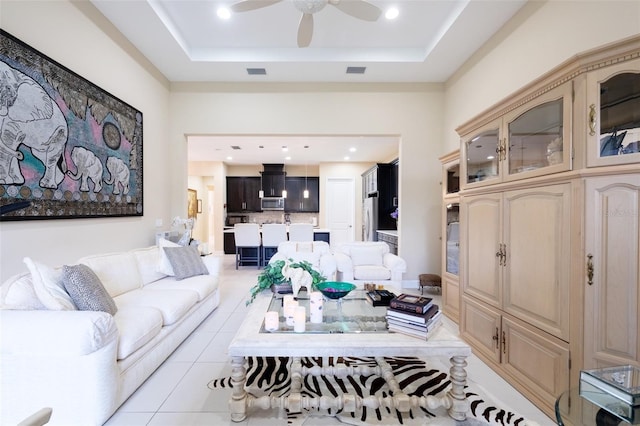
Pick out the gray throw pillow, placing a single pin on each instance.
(185, 261)
(86, 289)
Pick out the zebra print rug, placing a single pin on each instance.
(270, 376)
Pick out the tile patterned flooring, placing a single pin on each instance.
(177, 393)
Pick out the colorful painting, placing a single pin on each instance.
(68, 149)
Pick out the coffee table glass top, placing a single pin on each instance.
(351, 314)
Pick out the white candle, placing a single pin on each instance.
(289, 311)
(287, 299)
(271, 322)
(299, 319)
(315, 307)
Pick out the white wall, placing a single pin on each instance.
(540, 37)
(411, 112)
(65, 33)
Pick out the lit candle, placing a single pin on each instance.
(315, 307)
(299, 319)
(271, 321)
(289, 311)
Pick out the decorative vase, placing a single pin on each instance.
(282, 288)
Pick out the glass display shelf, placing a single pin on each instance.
(573, 409)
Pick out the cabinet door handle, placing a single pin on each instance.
(496, 338)
(592, 119)
(504, 255)
(499, 254)
(590, 269)
(504, 342)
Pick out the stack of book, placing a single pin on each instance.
(415, 316)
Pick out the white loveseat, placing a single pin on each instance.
(362, 262)
(84, 364)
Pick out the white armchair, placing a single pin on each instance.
(368, 262)
(317, 253)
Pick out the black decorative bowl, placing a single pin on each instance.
(335, 289)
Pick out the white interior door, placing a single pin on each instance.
(340, 208)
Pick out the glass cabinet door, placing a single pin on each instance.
(452, 181)
(539, 135)
(453, 238)
(614, 115)
(535, 138)
(482, 156)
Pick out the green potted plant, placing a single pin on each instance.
(292, 274)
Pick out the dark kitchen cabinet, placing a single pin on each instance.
(295, 201)
(242, 194)
(273, 184)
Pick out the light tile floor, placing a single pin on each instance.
(177, 393)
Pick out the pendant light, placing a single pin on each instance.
(305, 193)
(261, 192)
(284, 191)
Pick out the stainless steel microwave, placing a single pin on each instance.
(272, 203)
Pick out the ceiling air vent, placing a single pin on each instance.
(356, 70)
(235, 147)
(256, 71)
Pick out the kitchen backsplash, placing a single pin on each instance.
(279, 217)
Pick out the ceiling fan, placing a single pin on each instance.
(360, 9)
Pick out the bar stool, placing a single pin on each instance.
(247, 238)
(301, 232)
(272, 235)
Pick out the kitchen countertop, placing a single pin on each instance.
(315, 230)
(391, 232)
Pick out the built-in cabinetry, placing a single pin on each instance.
(273, 184)
(549, 229)
(295, 201)
(451, 235)
(243, 194)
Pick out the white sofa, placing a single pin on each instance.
(84, 364)
(362, 262)
(317, 253)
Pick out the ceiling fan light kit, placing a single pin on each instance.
(359, 9)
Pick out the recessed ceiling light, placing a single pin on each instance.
(352, 149)
(223, 13)
(285, 149)
(229, 158)
(392, 13)
(490, 157)
(346, 157)
(287, 158)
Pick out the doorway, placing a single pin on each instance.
(340, 208)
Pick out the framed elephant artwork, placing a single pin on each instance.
(68, 149)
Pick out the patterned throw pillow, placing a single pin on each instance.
(86, 289)
(185, 261)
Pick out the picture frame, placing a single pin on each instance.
(71, 149)
(192, 203)
(199, 206)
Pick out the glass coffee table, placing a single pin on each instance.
(573, 410)
(350, 328)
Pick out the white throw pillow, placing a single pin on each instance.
(49, 286)
(366, 256)
(17, 293)
(164, 266)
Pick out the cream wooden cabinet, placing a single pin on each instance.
(613, 110)
(549, 224)
(529, 140)
(612, 278)
(537, 362)
(517, 251)
(451, 235)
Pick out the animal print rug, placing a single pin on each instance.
(270, 376)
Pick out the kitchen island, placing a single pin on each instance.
(319, 234)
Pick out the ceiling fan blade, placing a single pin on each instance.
(360, 9)
(247, 5)
(305, 30)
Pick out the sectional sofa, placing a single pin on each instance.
(85, 363)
